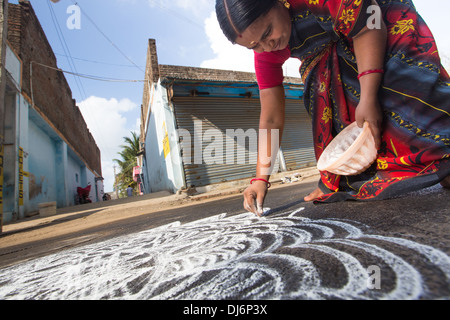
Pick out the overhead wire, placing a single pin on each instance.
(107, 38)
(63, 42)
(98, 62)
(78, 75)
(113, 44)
(74, 71)
(87, 76)
(175, 13)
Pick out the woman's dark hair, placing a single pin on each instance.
(235, 16)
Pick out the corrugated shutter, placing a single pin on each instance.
(297, 144)
(221, 114)
(236, 113)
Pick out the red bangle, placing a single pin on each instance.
(259, 179)
(369, 72)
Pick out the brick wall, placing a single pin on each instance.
(51, 92)
(204, 74)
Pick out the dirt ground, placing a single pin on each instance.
(73, 219)
(82, 217)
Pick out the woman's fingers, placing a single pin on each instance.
(260, 202)
(254, 199)
(249, 202)
(249, 207)
(370, 111)
(376, 133)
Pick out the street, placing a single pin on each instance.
(214, 250)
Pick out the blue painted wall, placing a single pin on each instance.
(52, 171)
(41, 166)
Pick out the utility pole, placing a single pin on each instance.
(3, 36)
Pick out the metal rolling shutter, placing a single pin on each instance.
(297, 144)
(238, 113)
(222, 114)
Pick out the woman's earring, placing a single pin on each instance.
(285, 3)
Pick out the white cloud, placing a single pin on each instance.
(228, 56)
(235, 57)
(195, 8)
(107, 121)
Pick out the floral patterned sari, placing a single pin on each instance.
(414, 94)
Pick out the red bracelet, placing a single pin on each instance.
(369, 72)
(259, 179)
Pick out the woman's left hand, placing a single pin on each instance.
(369, 110)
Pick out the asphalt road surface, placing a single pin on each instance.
(392, 249)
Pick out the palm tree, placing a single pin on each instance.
(126, 164)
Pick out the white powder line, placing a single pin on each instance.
(220, 257)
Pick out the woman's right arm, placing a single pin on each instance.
(271, 118)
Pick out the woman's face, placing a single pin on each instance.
(268, 33)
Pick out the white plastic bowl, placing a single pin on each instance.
(351, 152)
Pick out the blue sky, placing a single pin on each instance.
(112, 42)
